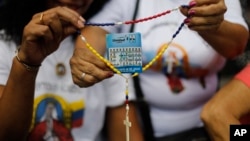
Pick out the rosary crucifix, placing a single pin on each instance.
(127, 123)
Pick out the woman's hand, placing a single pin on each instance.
(205, 15)
(86, 68)
(43, 34)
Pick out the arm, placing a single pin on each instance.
(17, 99)
(227, 107)
(115, 118)
(207, 18)
(229, 39)
(41, 37)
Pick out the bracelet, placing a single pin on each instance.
(27, 66)
(244, 75)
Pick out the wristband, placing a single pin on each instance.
(27, 66)
(244, 75)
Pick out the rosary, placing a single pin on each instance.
(126, 122)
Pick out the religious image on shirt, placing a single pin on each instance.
(54, 118)
(175, 65)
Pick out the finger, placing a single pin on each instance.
(207, 8)
(54, 25)
(203, 2)
(35, 31)
(73, 12)
(59, 29)
(69, 16)
(89, 68)
(204, 21)
(34, 36)
(184, 11)
(87, 55)
(68, 30)
(79, 79)
(96, 72)
(66, 15)
(96, 61)
(205, 27)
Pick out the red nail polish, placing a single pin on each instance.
(191, 12)
(110, 74)
(187, 20)
(192, 3)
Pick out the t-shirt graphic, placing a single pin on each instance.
(53, 118)
(174, 63)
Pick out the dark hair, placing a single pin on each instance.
(245, 3)
(95, 7)
(15, 14)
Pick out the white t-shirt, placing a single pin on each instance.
(73, 112)
(185, 77)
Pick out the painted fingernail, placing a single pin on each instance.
(192, 3)
(187, 20)
(191, 12)
(110, 74)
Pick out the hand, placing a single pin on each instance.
(86, 68)
(43, 34)
(205, 15)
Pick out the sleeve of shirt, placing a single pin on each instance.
(244, 75)
(234, 13)
(115, 88)
(7, 51)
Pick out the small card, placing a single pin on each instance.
(124, 51)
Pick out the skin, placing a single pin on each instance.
(118, 128)
(227, 38)
(208, 21)
(40, 38)
(228, 106)
(113, 114)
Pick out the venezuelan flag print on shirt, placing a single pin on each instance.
(54, 118)
(77, 113)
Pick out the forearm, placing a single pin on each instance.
(227, 107)
(19, 90)
(219, 130)
(95, 36)
(229, 40)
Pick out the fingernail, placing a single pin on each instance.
(192, 3)
(191, 12)
(80, 23)
(185, 6)
(110, 74)
(187, 20)
(82, 19)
